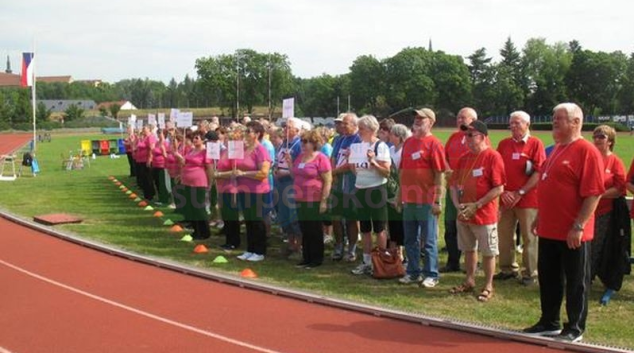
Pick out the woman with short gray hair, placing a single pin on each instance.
(398, 134)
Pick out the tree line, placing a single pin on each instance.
(533, 78)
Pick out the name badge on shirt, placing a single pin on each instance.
(477, 172)
(516, 156)
(302, 165)
(416, 155)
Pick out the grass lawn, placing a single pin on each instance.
(110, 217)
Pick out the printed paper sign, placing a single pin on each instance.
(185, 119)
(174, 114)
(236, 149)
(139, 124)
(161, 120)
(288, 108)
(358, 153)
(151, 119)
(213, 150)
(132, 120)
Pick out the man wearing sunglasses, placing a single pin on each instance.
(476, 184)
(523, 156)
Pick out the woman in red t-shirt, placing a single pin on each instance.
(604, 138)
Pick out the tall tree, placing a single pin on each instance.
(367, 80)
(408, 79)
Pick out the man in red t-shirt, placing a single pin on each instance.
(420, 191)
(455, 147)
(570, 186)
(523, 156)
(476, 184)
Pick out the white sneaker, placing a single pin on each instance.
(255, 258)
(245, 256)
(362, 269)
(430, 282)
(172, 206)
(407, 279)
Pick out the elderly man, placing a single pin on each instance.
(570, 186)
(476, 184)
(455, 147)
(523, 156)
(421, 168)
(343, 189)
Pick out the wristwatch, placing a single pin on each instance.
(521, 192)
(577, 226)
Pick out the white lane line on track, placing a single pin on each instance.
(4, 350)
(139, 312)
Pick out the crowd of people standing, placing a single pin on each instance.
(565, 207)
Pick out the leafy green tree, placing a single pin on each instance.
(483, 74)
(367, 81)
(41, 113)
(625, 96)
(545, 68)
(408, 79)
(114, 110)
(73, 112)
(452, 82)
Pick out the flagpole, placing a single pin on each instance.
(33, 95)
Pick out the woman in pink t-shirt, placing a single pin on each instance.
(143, 153)
(312, 179)
(192, 193)
(128, 145)
(157, 160)
(252, 186)
(172, 165)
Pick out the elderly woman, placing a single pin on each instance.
(195, 177)
(128, 145)
(143, 152)
(371, 192)
(604, 138)
(158, 154)
(172, 165)
(251, 174)
(398, 134)
(312, 179)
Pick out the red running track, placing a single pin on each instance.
(56, 296)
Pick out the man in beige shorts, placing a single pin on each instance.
(475, 187)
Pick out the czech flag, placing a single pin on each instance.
(27, 70)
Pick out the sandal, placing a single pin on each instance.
(463, 288)
(485, 295)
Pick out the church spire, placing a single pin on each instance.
(8, 66)
(429, 47)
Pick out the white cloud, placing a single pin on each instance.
(161, 39)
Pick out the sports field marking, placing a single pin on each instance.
(137, 311)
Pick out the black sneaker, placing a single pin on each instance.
(302, 264)
(503, 276)
(569, 336)
(542, 330)
(311, 266)
(228, 247)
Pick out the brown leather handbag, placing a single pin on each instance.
(386, 264)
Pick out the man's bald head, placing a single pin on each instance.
(465, 116)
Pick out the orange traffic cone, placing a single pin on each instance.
(176, 228)
(158, 214)
(248, 273)
(142, 204)
(124, 189)
(111, 178)
(200, 249)
(118, 183)
(133, 196)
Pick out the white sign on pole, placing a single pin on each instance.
(358, 153)
(288, 108)
(161, 120)
(151, 119)
(132, 120)
(185, 119)
(236, 149)
(174, 114)
(213, 150)
(139, 124)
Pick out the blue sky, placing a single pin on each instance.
(160, 39)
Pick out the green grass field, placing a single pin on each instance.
(110, 217)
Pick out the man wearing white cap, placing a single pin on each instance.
(523, 156)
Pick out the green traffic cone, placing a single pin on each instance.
(148, 208)
(220, 260)
(188, 238)
(168, 223)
